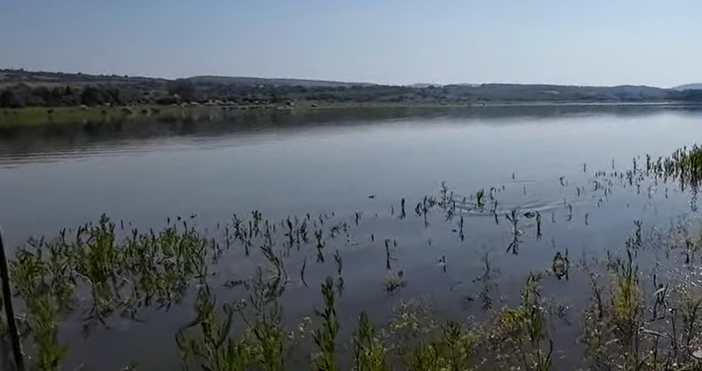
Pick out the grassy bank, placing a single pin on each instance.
(64, 115)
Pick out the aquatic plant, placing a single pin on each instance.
(369, 352)
(524, 328)
(325, 335)
(394, 281)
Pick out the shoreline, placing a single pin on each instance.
(28, 116)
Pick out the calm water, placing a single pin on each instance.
(339, 162)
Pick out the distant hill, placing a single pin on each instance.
(9, 76)
(19, 88)
(423, 85)
(49, 78)
(689, 87)
(252, 81)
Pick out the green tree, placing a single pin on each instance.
(184, 89)
(8, 98)
(91, 96)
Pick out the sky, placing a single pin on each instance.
(580, 42)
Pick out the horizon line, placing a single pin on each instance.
(336, 81)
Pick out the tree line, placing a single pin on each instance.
(23, 95)
(186, 91)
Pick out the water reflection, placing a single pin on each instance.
(540, 207)
(17, 142)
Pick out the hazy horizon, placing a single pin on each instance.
(595, 43)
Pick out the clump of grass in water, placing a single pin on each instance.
(684, 164)
(560, 265)
(263, 344)
(451, 349)
(120, 276)
(626, 302)
(325, 336)
(394, 281)
(480, 198)
(369, 352)
(513, 218)
(615, 330)
(524, 328)
(214, 349)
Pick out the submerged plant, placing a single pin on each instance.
(394, 281)
(513, 218)
(214, 348)
(451, 349)
(320, 246)
(480, 198)
(560, 265)
(339, 262)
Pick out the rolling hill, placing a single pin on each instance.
(689, 87)
(19, 88)
(228, 80)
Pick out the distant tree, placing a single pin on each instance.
(687, 95)
(184, 89)
(8, 98)
(113, 96)
(91, 96)
(166, 100)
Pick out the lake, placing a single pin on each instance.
(351, 168)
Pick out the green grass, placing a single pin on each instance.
(77, 114)
(70, 115)
(66, 115)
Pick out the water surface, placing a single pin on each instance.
(339, 162)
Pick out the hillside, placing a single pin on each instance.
(689, 87)
(9, 77)
(19, 88)
(226, 80)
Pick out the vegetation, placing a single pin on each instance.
(19, 88)
(33, 116)
(105, 271)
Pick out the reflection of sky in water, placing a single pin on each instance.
(321, 168)
(335, 168)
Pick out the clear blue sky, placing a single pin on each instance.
(588, 42)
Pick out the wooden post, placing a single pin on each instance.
(9, 310)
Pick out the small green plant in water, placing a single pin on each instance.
(213, 348)
(369, 352)
(480, 198)
(524, 328)
(394, 281)
(325, 335)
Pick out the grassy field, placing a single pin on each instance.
(64, 115)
